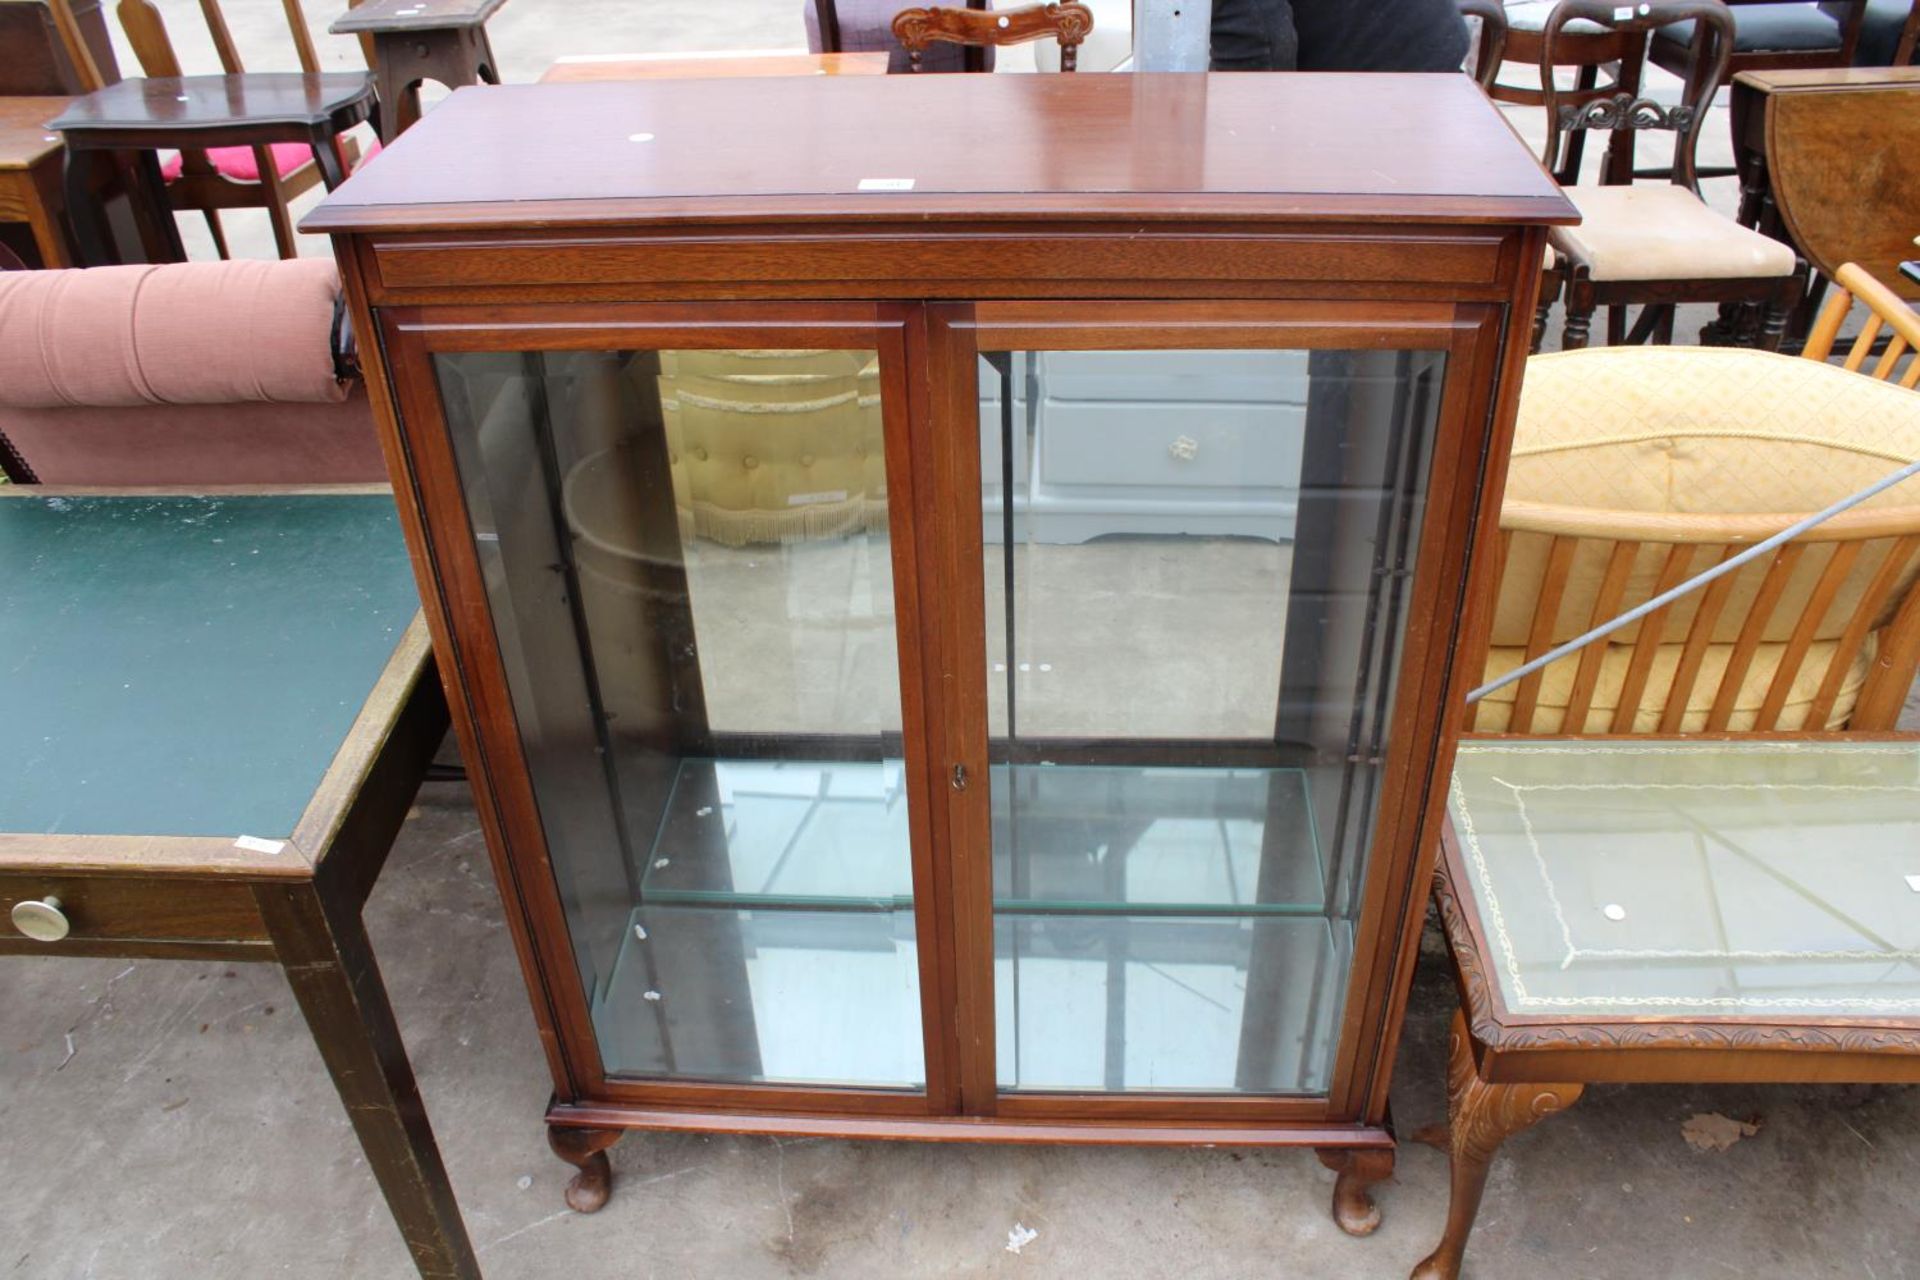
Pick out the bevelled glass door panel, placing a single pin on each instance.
(1197, 564)
(687, 556)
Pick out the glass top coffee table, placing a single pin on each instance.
(1701, 910)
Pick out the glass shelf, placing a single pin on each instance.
(1168, 1003)
(782, 835)
(1069, 840)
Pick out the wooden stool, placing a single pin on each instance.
(414, 41)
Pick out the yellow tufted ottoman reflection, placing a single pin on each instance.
(1635, 468)
(774, 446)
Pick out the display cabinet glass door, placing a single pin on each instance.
(688, 561)
(1197, 567)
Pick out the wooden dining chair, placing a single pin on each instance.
(1769, 35)
(1636, 469)
(268, 176)
(1490, 42)
(1885, 310)
(866, 26)
(1069, 23)
(1656, 245)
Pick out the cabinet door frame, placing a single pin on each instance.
(1467, 447)
(477, 685)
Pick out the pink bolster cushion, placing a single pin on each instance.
(182, 333)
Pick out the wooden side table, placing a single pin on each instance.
(197, 112)
(419, 40)
(1642, 911)
(30, 185)
(218, 709)
(1825, 163)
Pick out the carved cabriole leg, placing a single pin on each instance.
(1480, 1117)
(1359, 1169)
(586, 1150)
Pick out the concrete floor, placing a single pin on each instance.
(163, 1120)
(172, 1121)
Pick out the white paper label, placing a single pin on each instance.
(1913, 883)
(254, 844)
(886, 184)
(810, 499)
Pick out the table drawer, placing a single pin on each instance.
(110, 908)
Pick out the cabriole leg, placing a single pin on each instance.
(586, 1150)
(1359, 1169)
(1480, 1116)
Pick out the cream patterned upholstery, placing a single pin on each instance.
(774, 446)
(1665, 446)
(1664, 232)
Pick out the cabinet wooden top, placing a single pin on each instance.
(1393, 148)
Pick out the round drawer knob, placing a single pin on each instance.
(1184, 448)
(41, 920)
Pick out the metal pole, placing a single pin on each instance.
(1720, 570)
(1172, 35)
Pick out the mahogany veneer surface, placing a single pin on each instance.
(1403, 148)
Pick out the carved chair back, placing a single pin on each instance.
(1709, 51)
(1491, 44)
(1069, 23)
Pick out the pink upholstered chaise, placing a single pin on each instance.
(184, 374)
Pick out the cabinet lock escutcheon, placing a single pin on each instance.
(959, 777)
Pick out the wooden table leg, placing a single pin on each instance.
(147, 192)
(397, 88)
(330, 965)
(83, 211)
(45, 210)
(1480, 1116)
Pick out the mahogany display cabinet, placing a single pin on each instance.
(955, 590)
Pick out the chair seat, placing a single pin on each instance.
(1770, 28)
(1530, 18)
(242, 164)
(1664, 232)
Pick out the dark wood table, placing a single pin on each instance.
(197, 112)
(1740, 909)
(30, 162)
(1827, 162)
(218, 709)
(414, 41)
